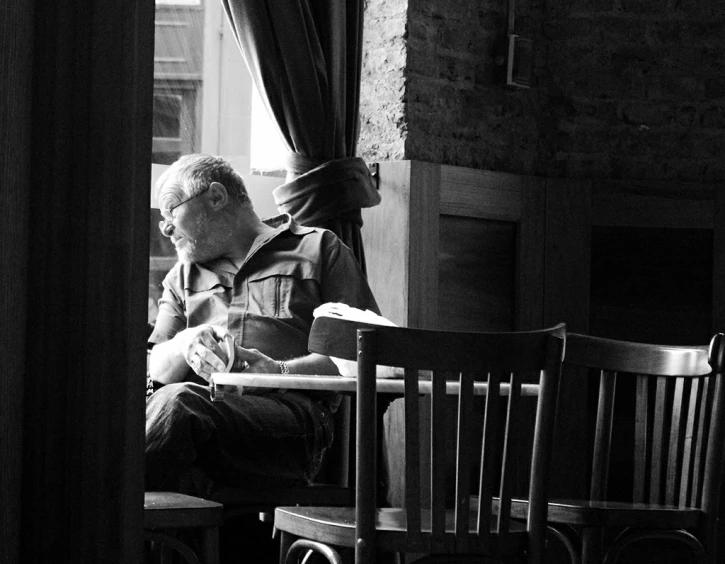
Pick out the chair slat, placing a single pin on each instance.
(488, 457)
(438, 460)
(412, 454)
(688, 461)
(658, 440)
(674, 447)
(463, 461)
(641, 432)
(700, 446)
(603, 435)
(506, 483)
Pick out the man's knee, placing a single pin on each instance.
(174, 401)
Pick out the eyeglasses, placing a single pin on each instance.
(165, 225)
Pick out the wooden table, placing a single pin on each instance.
(340, 384)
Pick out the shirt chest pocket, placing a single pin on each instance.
(271, 295)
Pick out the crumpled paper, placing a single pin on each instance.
(348, 367)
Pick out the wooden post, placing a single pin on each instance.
(16, 44)
(401, 248)
(76, 138)
(401, 242)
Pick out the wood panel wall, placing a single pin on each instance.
(76, 140)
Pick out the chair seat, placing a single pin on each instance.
(580, 512)
(179, 511)
(336, 525)
(241, 501)
(316, 494)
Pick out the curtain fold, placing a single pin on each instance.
(305, 58)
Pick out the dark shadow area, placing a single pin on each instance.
(246, 539)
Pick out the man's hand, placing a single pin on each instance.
(202, 350)
(256, 361)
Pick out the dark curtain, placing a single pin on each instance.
(305, 59)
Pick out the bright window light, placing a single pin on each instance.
(267, 149)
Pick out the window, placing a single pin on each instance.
(174, 126)
(204, 101)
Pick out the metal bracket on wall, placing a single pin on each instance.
(520, 58)
(375, 173)
(519, 62)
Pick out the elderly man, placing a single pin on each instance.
(259, 281)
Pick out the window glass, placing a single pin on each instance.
(167, 115)
(205, 101)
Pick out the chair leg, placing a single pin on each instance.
(630, 536)
(565, 539)
(210, 545)
(592, 545)
(303, 546)
(166, 540)
(285, 542)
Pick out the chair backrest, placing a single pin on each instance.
(676, 426)
(454, 360)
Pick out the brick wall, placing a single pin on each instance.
(622, 88)
(383, 123)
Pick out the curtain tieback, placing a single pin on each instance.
(300, 164)
(327, 191)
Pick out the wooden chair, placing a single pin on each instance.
(677, 432)
(502, 361)
(168, 513)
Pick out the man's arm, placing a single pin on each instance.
(257, 362)
(196, 347)
(167, 364)
(342, 279)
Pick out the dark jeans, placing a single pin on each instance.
(194, 445)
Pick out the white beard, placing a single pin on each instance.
(206, 245)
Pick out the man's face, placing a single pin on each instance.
(188, 223)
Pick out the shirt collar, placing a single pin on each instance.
(220, 271)
(285, 222)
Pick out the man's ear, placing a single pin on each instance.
(218, 195)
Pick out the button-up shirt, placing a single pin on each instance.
(267, 303)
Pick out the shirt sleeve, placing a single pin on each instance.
(171, 317)
(343, 280)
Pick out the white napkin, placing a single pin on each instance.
(349, 367)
